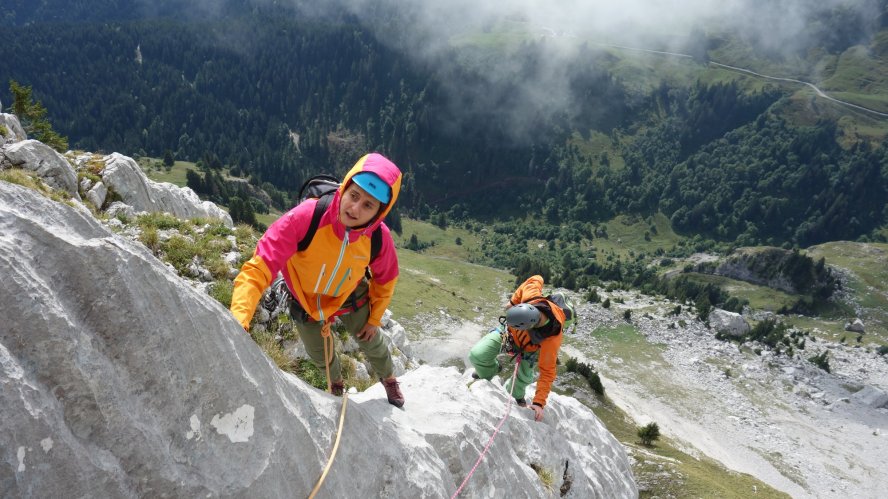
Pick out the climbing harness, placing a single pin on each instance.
(489, 442)
(328, 356)
(507, 343)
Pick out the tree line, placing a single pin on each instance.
(274, 100)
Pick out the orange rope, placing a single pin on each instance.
(328, 352)
(328, 356)
(317, 486)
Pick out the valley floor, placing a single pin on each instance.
(782, 420)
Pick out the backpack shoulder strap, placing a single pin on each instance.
(375, 244)
(320, 208)
(375, 248)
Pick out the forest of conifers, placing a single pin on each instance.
(278, 99)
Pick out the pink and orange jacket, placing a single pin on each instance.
(323, 276)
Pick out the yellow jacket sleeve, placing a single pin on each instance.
(249, 285)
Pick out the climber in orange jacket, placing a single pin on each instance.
(532, 329)
(327, 278)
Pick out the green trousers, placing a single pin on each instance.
(483, 357)
(375, 350)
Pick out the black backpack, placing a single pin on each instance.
(322, 187)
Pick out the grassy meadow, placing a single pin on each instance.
(867, 282)
(155, 170)
(440, 279)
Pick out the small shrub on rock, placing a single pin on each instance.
(821, 360)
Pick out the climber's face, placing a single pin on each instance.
(357, 208)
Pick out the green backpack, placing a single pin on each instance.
(570, 314)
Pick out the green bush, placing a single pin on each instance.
(547, 478)
(821, 360)
(272, 348)
(770, 332)
(585, 370)
(414, 244)
(221, 290)
(595, 383)
(649, 433)
(307, 372)
(606, 303)
(150, 239)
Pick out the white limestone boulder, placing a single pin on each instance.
(871, 396)
(14, 131)
(48, 164)
(118, 379)
(856, 326)
(730, 323)
(97, 194)
(122, 175)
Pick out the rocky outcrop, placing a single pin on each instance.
(757, 267)
(117, 379)
(38, 157)
(97, 194)
(730, 323)
(856, 326)
(122, 175)
(788, 271)
(871, 396)
(14, 130)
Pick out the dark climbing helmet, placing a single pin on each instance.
(522, 316)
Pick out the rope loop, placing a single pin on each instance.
(489, 442)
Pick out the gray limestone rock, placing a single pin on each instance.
(38, 157)
(118, 208)
(118, 379)
(14, 131)
(856, 326)
(871, 396)
(97, 195)
(730, 323)
(123, 176)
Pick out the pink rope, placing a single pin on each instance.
(489, 442)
